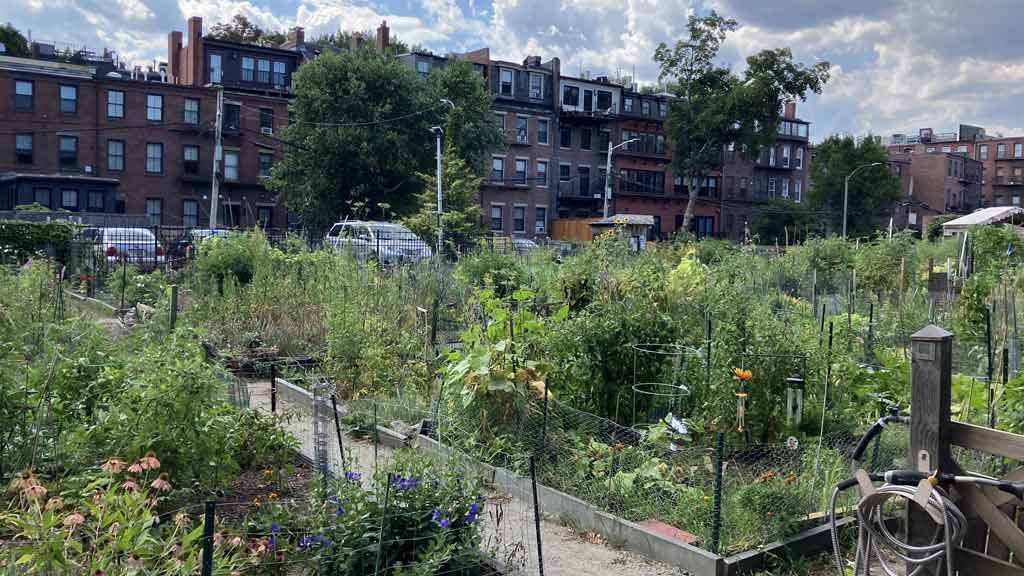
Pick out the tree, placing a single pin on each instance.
(714, 107)
(872, 190)
(342, 40)
(14, 42)
(463, 217)
(359, 134)
(470, 126)
(783, 220)
(240, 29)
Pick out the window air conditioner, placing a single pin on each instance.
(266, 130)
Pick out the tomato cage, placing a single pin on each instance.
(659, 390)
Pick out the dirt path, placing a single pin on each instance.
(509, 530)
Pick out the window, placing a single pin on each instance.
(279, 74)
(705, 226)
(565, 137)
(115, 104)
(215, 69)
(983, 152)
(799, 162)
(422, 68)
(1018, 150)
(189, 213)
(68, 151)
(627, 104)
(603, 139)
(542, 173)
(115, 155)
(536, 86)
(496, 224)
(507, 79)
(23, 91)
(191, 111)
(96, 201)
(604, 100)
(583, 174)
(190, 158)
(266, 120)
(266, 161)
(771, 186)
(231, 166)
(499, 119)
(154, 107)
(542, 131)
(1000, 151)
(570, 96)
(785, 187)
(248, 69)
(588, 100)
(41, 196)
(645, 182)
(519, 218)
(785, 156)
(497, 169)
(68, 99)
(961, 149)
(771, 156)
(564, 172)
(265, 216)
(23, 148)
(801, 130)
(154, 211)
(930, 149)
(585, 139)
(797, 190)
(540, 220)
(522, 130)
(232, 119)
(947, 148)
(264, 70)
(154, 158)
(69, 199)
(663, 109)
(520, 171)
(645, 107)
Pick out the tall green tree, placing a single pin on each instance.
(463, 217)
(872, 190)
(714, 107)
(469, 126)
(782, 221)
(241, 29)
(359, 134)
(13, 40)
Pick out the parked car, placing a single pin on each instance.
(137, 246)
(185, 247)
(524, 245)
(384, 242)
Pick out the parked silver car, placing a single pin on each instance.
(385, 242)
(137, 246)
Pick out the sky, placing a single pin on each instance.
(898, 65)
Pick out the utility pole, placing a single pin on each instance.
(218, 157)
(608, 170)
(440, 215)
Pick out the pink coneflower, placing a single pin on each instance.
(149, 461)
(236, 541)
(115, 528)
(129, 485)
(136, 468)
(181, 518)
(34, 491)
(73, 519)
(55, 503)
(218, 539)
(113, 466)
(161, 484)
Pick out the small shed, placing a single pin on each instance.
(633, 226)
(984, 217)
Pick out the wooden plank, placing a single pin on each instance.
(996, 548)
(997, 442)
(972, 562)
(1000, 525)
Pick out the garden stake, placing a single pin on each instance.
(988, 348)
(174, 306)
(375, 439)
(821, 328)
(544, 428)
(824, 404)
(536, 516)
(716, 506)
(337, 430)
(207, 568)
(273, 387)
(384, 515)
(124, 282)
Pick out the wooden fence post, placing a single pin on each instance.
(931, 379)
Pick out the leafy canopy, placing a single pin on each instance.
(241, 29)
(463, 217)
(872, 190)
(14, 42)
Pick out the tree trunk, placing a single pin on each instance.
(692, 197)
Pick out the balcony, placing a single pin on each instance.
(581, 190)
(1008, 181)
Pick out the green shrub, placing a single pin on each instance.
(22, 238)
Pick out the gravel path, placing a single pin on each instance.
(509, 530)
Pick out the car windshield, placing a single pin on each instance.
(393, 232)
(128, 235)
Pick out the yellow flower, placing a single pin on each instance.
(742, 374)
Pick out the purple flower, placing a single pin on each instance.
(271, 541)
(436, 516)
(471, 515)
(352, 476)
(409, 483)
(340, 511)
(320, 538)
(443, 523)
(305, 541)
(275, 528)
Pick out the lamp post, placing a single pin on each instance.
(846, 189)
(608, 172)
(438, 132)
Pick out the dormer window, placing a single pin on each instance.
(507, 80)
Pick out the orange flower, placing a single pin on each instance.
(742, 374)
(272, 497)
(789, 479)
(766, 476)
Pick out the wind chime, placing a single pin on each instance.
(794, 401)
(741, 376)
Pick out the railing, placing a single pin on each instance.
(578, 189)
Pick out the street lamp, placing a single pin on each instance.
(608, 171)
(438, 132)
(846, 189)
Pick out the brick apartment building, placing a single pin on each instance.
(932, 184)
(85, 134)
(1002, 158)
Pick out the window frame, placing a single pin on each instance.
(235, 166)
(537, 94)
(92, 207)
(546, 131)
(1018, 150)
(64, 157)
(267, 119)
(115, 105)
(568, 89)
(20, 156)
(115, 141)
(216, 70)
(260, 209)
(154, 113)
(270, 164)
(186, 113)
(159, 146)
(248, 72)
(73, 109)
(68, 206)
(586, 139)
(611, 100)
(540, 219)
(537, 173)
(983, 152)
(189, 166)
(500, 218)
(184, 212)
(159, 203)
(1001, 151)
(500, 173)
(645, 107)
(627, 104)
(561, 141)
(20, 97)
(263, 71)
(278, 77)
(521, 176)
(522, 131)
(798, 159)
(511, 81)
(517, 210)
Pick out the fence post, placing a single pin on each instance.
(337, 430)
(716, 505)
(544, 427)
(536, 516)
(989, 371)
(931, 377)
(383, 517)
(207, 568)
(174, 306)
(273, 387)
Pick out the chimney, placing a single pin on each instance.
(789, 110)
(383, 37)
(174, 55)
(296, 36)
(195, 59)
(355, 41)
(532, 62)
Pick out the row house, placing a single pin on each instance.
(932, 184)
(587, 114)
